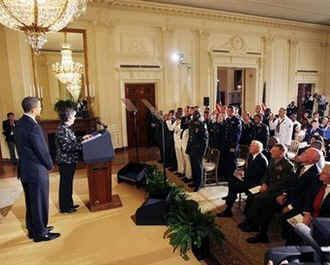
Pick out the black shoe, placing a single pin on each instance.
(71, 210)
(186, 180)
(47, 237)
(259, 238)
(49, 229)
(225, 213)
(224, 198)
(75, 206)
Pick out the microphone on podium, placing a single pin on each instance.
(99, 122)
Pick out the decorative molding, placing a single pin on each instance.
(269, 37)
(137, 44)
(215, 15)
(138, 69)
(204, 35)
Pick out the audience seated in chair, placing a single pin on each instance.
(315, 201)
(279, 178)
(248, 177)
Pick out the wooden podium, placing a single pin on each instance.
(100, 187)
(98, 153)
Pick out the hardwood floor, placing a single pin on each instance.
(122, 157)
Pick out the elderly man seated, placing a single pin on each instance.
(279, 178)
(249, 177)
(315, 201)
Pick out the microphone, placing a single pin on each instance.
(102, 124)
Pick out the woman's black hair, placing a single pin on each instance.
(65, 114)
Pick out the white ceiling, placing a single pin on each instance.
(55, 41)
(313, 11)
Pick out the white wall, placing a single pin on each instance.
(140, 33)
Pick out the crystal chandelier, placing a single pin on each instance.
(38, 17)
(68, 71)
(74, 90)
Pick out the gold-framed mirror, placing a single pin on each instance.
(47, 86)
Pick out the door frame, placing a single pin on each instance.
(123, 95)
(232, 61)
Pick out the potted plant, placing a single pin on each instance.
(190, 229)
(156, 185)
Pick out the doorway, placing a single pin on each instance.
(303, 91)
(135, 93)
(237, 86)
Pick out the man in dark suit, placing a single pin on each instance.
(254, 170)
(279, 178)
(315, 201)
(8, 131)
(34, 163)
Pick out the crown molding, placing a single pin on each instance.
(214, 15)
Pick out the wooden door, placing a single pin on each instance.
(303, 89)
(135, 93)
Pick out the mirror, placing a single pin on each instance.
(48, 87)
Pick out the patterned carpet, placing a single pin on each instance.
(235, 249)
(10, 191)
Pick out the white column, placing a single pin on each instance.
(267, 44)
(292, 86)
(204, 89)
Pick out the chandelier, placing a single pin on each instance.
(38, 17)
(74, 90)
(68, 71)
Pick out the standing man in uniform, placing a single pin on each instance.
(233, 131)
(260, 131)
(283, 127)
(197, 144)
(34, 163)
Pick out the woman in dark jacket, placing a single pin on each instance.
(67, 155)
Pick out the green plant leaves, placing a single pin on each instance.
(187, 227)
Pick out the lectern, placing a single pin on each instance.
(98, 153)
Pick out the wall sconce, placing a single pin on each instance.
(178, 58)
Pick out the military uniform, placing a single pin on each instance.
(247, 134)
(159, 137)
(197, 144)
(280, 177)
(169, 143)
(261, 134)
(233, 130)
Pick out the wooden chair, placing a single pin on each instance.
(210, 166)
(243, 155)
(293, 149)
